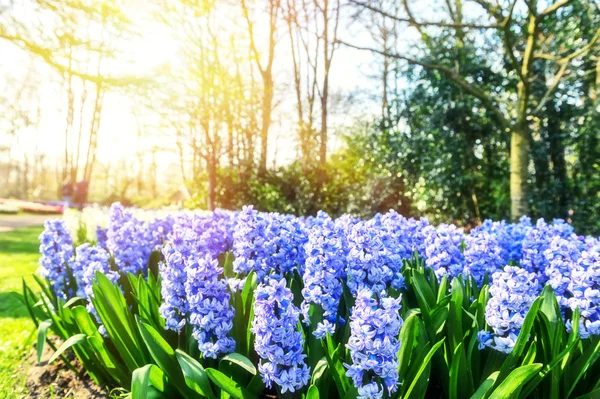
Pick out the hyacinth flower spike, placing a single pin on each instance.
(278, 341)
(375, 325)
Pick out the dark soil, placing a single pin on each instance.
(56, 380)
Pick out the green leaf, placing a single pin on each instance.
(228, 385)
(455, 324)
(73, 301)
(423, 366)
(194, 374)
(74, 340)
(485, 386)
(118, 320)
(241, 361)
(515, 381)
(145, 376)
(407, 338)
(318, 371)
(591, 395)
(313, 393)
(461, 385)
(42, 332)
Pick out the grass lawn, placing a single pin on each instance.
(18, 258)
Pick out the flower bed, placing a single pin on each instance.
(248, 304)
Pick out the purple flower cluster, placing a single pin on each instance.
(174, 276)
(268, 243)
(442, 250)
(512, 293)
(375, 257)
(484, 254)
(129, 240)
(56, 248)
(373, 343)
(252, 243)
(325, 268)
(214, 232)
(278, 341)
(208, 305)
(537, 241)
(88, 257)
(561, 260)
(101, 236)
(518, 232)
(585, 290)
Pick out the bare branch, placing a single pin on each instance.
(486, 98)
(413, 22)
(554, 7)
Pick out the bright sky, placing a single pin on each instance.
(155, 47)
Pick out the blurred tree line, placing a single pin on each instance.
(484, 108)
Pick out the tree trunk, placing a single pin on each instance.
(212, 182)
(519, 160)
(267, 104)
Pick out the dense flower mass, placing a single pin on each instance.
(537, 241)
(252, 242)
(88, 260)
(174, 276)
(56, 248)
(585, 292)
(278, 341)
(208, 305)
(484, 255)
(511, 295)
(375, 257)
(326, 259)
(442, 250)
(373, 343)
(325, 268)
(129, 240)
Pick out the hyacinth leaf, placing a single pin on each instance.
(117, 319)
(485, 386)
(407, 343)
(248, 290)
(194, 374)
(41, 339)
(338, 372)
(164, 356)
(315, 348)
(423, 365)
(313, 392)
(240, 361)
(256, 385)
(442, 289)
(455, 324)
(147, 306)
(591, 395)
(144, 378)
(561, 358)
(76, 339)
(47, 291)
(318, 371)
(228, 385)
(226, 262)
(73, 301)
(423, 291)
(583, 363)
(515, 381)
(29, 298)
(153, 262)
(461, 385)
